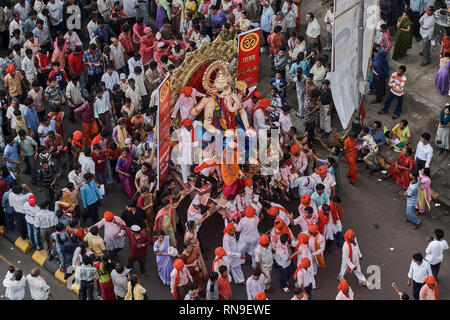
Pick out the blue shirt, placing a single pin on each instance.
(5, 201)
(413, 194)
(31, 119)
(219, 19)
(106, 32)
(90, 193)
(266, 16)
(96, 68)
(305, 67)
(378, 137)
(417, 5)
(11, 153)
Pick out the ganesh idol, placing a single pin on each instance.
(223, 112)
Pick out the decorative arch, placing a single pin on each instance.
(195, 64)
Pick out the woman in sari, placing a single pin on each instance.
(443, 131)
(404, 37)
(165, 221)
(399, 132)
(162, 12)
(104, 269)
(424, 190)
(124, 169)
(442, 78)
(193, 260)
(58, 117)
(400, 169)
(163, 260)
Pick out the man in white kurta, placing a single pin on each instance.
(316, 245)
(249, 238)
(194, 212)
(303, 251)
(185, 148)
(345, 292)
(308, 217)
(254, 284)
(186, 101)
(234, 257)
(350, 262)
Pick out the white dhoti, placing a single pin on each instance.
(325, 120)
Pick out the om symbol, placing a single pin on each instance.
(249, 42)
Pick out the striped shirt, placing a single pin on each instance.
(397, 83)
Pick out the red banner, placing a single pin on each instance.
(248, 53)
(163, 127)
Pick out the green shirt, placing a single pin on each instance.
(27, 145)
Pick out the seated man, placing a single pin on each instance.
(377, 133)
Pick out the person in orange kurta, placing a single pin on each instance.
(230, 171)
(275, 40)
(350, 148)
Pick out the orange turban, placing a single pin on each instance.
(304, 264)
(76, 138)
(187, 91)
(257, 95)
(220, 253)
(273, 211)
(10, 68)
(248, 182)
(321, 170)
(178, 264)
(312, 228)
(302, 238)
(343, 285)
(264, 103)
(260, 296)
(228, 228)
(279, 223)
(350, 233)
(249, 212)
(306, 199)
(264, 240)
(432, 280)
(295, 148)
(32, 200)
(109, 216)
(186, 122)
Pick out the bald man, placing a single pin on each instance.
(39, 289)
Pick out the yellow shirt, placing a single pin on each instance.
(96, 243)
(138, 292)
(397, 131)
(14, 84)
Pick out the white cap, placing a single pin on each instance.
(135, 228)
(127, 140)
(123, 76)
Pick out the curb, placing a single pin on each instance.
(38, 256)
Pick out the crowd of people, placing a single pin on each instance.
(104, 71)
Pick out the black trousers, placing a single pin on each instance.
(86, 290)
(380, 89)
(21, 225)
(92, 212)
(415, 16)
(141, 260)
(212, 180)
(416, 289)
(420, 164)
(265, 35)
(435, 269)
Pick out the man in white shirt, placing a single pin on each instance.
(424, 152)
(76, 176)
(418, 271)
(91, 26)
(129, 8)
(435, 251)
(17, 201)
(28, 66)
(290, 12)
(55, 8)
(73, 95)
(329, 20)
(118, 55)
(39, 289)
(110, 77)
(249, 238)
(313, 31)
(282, 253)
(427, 22)
(16, 23)
(120, 281)
(23, 8)
(139, 77)
(15, 286)
(264, 260)
(254, 284)
(135, 61)
(86, 162)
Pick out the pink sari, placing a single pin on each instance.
(424, 193)
(127, 182)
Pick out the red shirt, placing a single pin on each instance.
(99, 167)
(133, 242)
(42, 62)
(224, 287)
(76, 62)
(125, 40)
